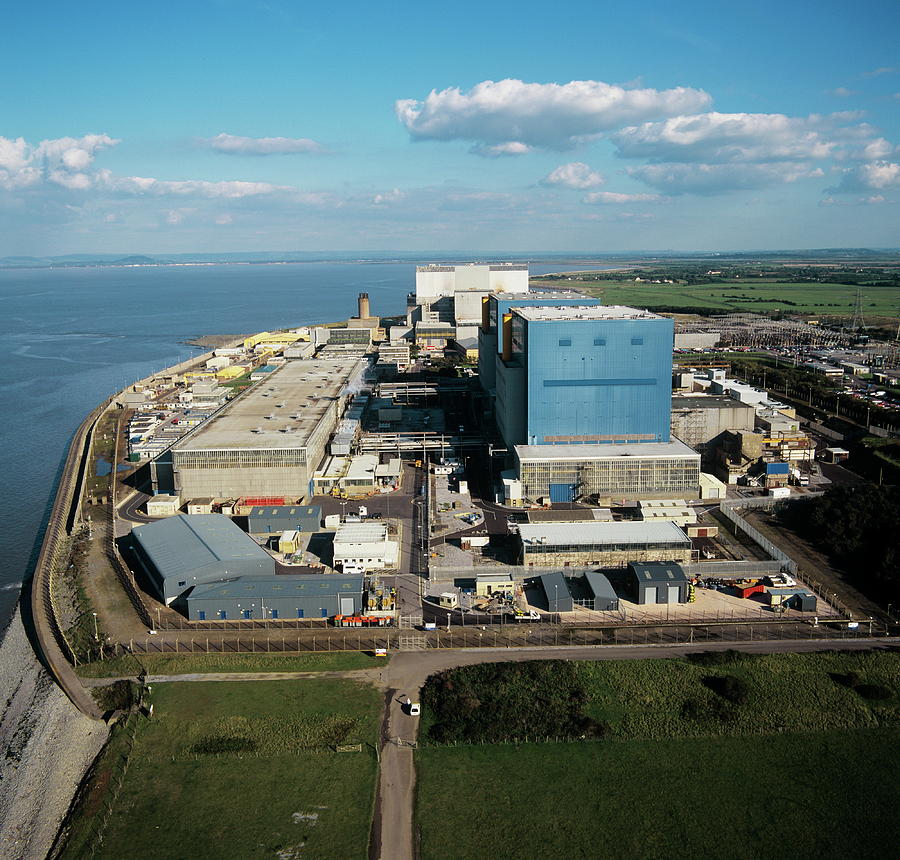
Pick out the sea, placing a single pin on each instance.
(70, 337)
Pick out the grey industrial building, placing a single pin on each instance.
(609, 472)
(601, 544)
(699, 420)
(268, 441)
(185, 551)
(272, 519)
(602, 596)
(556, 590)
(658, 582)
(288, 596)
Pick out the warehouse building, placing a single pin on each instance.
(602, 596)
(658, 582)
(556, 592)
(184, 551)
(601, 544)
(272, 519)
(268, 441)
(611, 473)
(276, 597)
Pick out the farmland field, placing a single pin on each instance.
(238, 769)
(819, 794)
(752, 295)
(726, 755)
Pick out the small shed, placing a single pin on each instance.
(804, 602)
(493, 583)
(602, 593)
(163, 506)
(556, 589)
(289, 542)
(658, 582)
(783, 596)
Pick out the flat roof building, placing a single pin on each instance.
(610, 473)
(601, 544)
(268, 441)
(184, 551)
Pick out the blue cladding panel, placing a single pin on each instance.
(562, 492)
(777, 469)
(620, 389)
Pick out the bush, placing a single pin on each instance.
(728, 687)
(873, 692)
(718, 658)
(507, 702)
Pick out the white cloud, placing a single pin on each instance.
(717, 178)
(148, 186)
(549, 116)
(61, 161)
(231, 144)
(222, 220)
(388, 197)
(879, 174)
(842, 92)
(575, 174)
(616, 197)
(736, 137)
(500, 150)
(878, 150)
(883, 70)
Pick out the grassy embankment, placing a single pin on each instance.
(182, 664)
(237, 770)
(751, 295)
(774, 762)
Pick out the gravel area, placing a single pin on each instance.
(47, 746)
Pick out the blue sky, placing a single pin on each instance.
(229, 125)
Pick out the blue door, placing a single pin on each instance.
(324, 613)
(201, 615)
(299, 613)
(248, 613)
(222, 614)
(274, 613)
(562, 492)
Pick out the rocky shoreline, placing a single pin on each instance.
(47, 747)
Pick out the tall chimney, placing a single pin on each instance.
(363, 306)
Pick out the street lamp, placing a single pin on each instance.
(96, 632)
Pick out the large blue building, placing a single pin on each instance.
(583, 374)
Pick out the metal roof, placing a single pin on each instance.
(300, 512)
(287, 585)
(599, 585)
(600, 533)
(543, 313)
(651, 572)
(186, 542)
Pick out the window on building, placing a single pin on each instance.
(637, 341)
(565, 341)
(599, 341)
(183, 582)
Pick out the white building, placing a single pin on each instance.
(364, 546)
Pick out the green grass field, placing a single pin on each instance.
(239, 770)
(744, 295)
(800, 761)
(182, 664)
(821, 794)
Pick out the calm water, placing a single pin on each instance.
(71, 337)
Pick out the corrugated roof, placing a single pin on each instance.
(599, 585)
(599, 533)
(184, 543)
(576, 452)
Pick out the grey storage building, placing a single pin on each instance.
(288, 596)
(183, 551)
(658, 582)
(556, 588)
(601, 592)
(274, 519)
